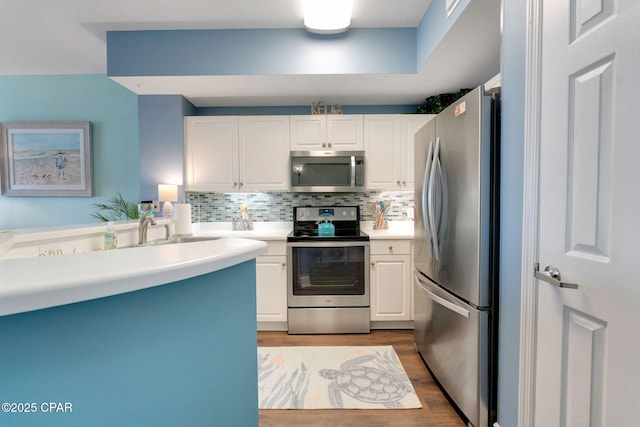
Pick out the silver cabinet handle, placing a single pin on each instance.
(552, 276)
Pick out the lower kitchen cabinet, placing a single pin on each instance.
(271, 287)
(390, 280)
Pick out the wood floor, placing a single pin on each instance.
(436, 410)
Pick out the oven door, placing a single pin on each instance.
(328, 274)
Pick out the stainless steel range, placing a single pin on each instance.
(328, 273)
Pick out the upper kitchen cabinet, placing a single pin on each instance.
(388, 145)
(264, 153)
(237, 153)
(211, 153)
(327, 132)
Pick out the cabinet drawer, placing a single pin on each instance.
(390, 247)
(276, 248)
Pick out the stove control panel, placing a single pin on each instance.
(334, 213)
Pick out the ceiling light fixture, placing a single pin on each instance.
(327, 16)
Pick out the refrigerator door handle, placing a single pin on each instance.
(432, 201)
(444, 199)
(425, 194)
(439, 300)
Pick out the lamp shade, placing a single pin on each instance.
(167, 192)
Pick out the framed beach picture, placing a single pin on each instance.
(46, 158)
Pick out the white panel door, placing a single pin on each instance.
(411, 123)
(382, 151)
(588, 339)
(271, 288)
(264, 153)
(345, 132)
(308, 133)
(390, 287)
(211, 145)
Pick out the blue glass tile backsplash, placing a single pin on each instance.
(278, 206)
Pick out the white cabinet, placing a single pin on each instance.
(390, 277)
(211, 153)
(271, 287)
(248, 153)
(264, 153)
(388, 145)
(327, 132)
(382, 151)
(411, 123)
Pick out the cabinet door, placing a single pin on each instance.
(308, 133)
(411, 123)
(390, 287)
(382, 151)
(211, 151)
(271, 288)
(264, 153)
(345, 132)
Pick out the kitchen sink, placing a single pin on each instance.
(172, 241)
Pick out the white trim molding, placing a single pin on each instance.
(528, 320)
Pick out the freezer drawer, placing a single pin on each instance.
(452, 338)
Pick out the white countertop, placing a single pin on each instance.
(395, 230)
(272, 230)
(34, 283)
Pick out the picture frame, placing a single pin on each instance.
(46, 158)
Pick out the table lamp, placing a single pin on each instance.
(167, 193)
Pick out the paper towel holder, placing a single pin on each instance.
(183, 220)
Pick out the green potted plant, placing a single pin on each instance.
(116, 209)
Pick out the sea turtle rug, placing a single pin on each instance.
(333, 378)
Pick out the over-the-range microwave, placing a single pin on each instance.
(327, 171)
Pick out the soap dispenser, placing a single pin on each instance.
(110, 237)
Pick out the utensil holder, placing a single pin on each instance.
(380, 222)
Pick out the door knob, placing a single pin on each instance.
(552, 276)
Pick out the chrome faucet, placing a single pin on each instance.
(145, 220)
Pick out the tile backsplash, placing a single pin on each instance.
(278, 206)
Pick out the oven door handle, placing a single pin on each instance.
(325, 244)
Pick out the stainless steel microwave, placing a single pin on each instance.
(327, 171)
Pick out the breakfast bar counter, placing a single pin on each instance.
(160, 335)
(46, 281)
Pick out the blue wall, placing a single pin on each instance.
(260, 52)
(434, 26)
(161, 119)
(112, 111)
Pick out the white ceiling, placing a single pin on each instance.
(69, 37)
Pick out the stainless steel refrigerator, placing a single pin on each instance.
(456, 251)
